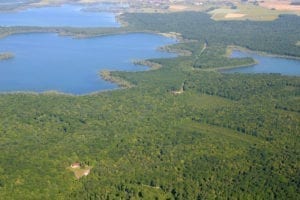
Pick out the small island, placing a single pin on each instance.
(6, 56)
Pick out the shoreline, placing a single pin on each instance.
(75, 32)
(151, 65)
(47, 92)
(105, 74)
(243, 49)
(219, 69)
(71, 31)
(231, 48)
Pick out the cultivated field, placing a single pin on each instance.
(283, 5)
(248, 11)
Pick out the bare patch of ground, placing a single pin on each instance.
(234, 15)
(298, 43)
(80, 171)
(176, 8)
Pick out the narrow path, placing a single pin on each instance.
(201, 52)
(203, 49)
(154, 187)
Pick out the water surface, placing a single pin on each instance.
(65, 15)
(267, 64)
(49, 62)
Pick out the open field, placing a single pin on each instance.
(283, 5)
(248, 11)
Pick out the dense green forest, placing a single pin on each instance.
(224, 136)
(277, 37)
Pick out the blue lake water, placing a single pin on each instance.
(65, 15)
(49, 62)
(267, 64)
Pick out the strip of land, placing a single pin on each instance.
(108, 76)
(272, 8)
(6, 56)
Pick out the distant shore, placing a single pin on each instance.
(262, 53)
(242, 49)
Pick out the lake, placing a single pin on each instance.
(45, 61)
(267, 64)
(65, 15)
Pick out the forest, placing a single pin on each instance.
(224, 136)
(276, 37)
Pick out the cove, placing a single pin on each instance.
(65, 15)
(44, 61)
(266, 64)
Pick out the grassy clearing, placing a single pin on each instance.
(80, 172)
